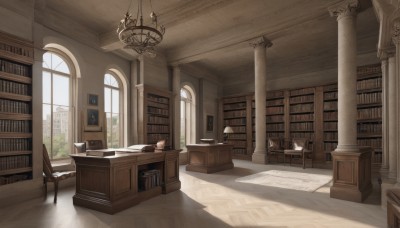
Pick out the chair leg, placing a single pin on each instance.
(55, 190)
(45, 187)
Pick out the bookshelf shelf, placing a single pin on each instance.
(16, 59)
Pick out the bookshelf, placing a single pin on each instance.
(330, 120)
(275, 114)
(236, 113)
(155, 122)
(16, 60)
(301, 113)
(369, 109)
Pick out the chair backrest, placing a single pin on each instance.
(47, 168)
(299, 143)
(274, 143)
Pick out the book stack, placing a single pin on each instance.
(149, 179)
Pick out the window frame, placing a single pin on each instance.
(120, 90)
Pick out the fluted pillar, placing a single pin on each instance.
(260, 63)
(176, 88)
(392, 117)
(396, 132)
(351, 164)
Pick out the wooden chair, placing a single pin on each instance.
(275, 148)
(51, 176)
(299, 148)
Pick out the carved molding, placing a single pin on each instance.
(396, 31)
(345, 9)
(260, 41)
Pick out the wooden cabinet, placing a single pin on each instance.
(16, 60)
(113, 183)
(154, 115)
(237, 114)
(209, 158)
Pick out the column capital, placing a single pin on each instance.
(260, 41)
(345, 8)
(396, 31)
(176, 67)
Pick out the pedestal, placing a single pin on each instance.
(352, 175)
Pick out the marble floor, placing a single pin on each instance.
(209, 200)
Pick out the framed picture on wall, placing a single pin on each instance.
(92, 120)
(210, 123)
(93, 99)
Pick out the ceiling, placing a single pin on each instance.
(215, 34)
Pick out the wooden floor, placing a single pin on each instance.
(208, 201)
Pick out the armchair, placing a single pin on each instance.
(299, 148)
(275, 148)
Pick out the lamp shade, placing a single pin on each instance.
(228, 130)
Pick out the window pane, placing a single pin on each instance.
(60, 90)
(47, 127)
(115, 130)
(183, 133)
(46, 87)
(109, 130)
(183, 93)
(60, 131)
(107, 99)
(111, 80)
(58, 64)
(115, 101)
(47, 62)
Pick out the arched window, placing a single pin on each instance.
(112, 109)
(187, 116)
(57, 105)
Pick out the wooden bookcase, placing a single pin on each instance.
(154, 116)
(236, 113)
(275, 114)
(330, 120)
(16, 60)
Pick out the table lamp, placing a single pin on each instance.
(228, 130)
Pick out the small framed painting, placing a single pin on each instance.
(210, 123)
(92, 119)
(93, 99)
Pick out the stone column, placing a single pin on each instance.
(351, 165)
(392, 117)
(176, 93)
(260, 44)
(396, 65)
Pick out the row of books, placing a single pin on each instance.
(15, 50)
(330, 95)
(298, 99)
(14, 87)
(302, 126)
(330, 146)
(239, 129)
(330, 116)
(374, 143)
(15, 126)
(13, 178)
(239, 151)
(276, 134)
(237, 136)
(372, 83)
(237, 113)
(370, 128)
(367, 98)
(157, 111)
(14, 106)
(275, 110)
(301, 91)
(370, 69)
(234, 100)
(241, 105)
(157, 105)
(157, 128)
(14, 68)
(240, 144)
(230, 122)
(156, 98)
(149, 179)
(302, 108)
(307, 135)
(15, 144)
(276, 118)
(275, 94)
(15, 162)
(275, 102)
(330, 135)
(330, 126)
(157, 120)
(331, 105)
(276, 127)
(370, 113)
(302, 117)
(377, 158)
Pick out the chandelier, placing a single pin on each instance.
(141, 38)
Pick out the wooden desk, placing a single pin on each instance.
(113, 183)
(209, 158)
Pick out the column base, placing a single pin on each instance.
(351, 174)
(386, 184)
(259, 157)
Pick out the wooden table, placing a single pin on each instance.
(113, 183)
(209, 158)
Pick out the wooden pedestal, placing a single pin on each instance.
(209, 158)
(352, 175)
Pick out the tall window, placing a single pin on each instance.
(187, 117)
(57, 126)
(112, 110)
